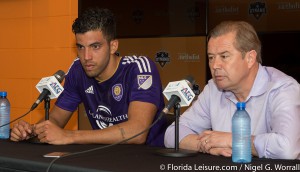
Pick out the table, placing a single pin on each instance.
(24, 156)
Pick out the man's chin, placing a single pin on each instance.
(90, 74)
(220, 85)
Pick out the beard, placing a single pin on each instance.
(97, 70)
(92, 74)
(94, 69)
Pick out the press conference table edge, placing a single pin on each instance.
(23, 156)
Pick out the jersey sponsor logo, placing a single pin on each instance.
(101, 124)
(90, 90)
(104, 118)
(117, 92)
(104, 109)
(141, 61)
(144, 81)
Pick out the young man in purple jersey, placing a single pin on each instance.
(122, 95)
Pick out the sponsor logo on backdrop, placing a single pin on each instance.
(288, 5)
(162, 58)
(227, 10)
(257, 9)
(188, 57)
(193, 13)
(138, 16)
(117, 92)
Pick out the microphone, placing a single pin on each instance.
(49, 86)
(179, 92)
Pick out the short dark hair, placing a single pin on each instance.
(96, 19)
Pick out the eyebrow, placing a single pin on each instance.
(223, 52)
(95, 43)
(77, 45)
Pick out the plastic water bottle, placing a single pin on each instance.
(4, 115)
(241, 135)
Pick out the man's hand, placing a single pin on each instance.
(21, 131)
(215, 143)
(50, 133)
(227, 152)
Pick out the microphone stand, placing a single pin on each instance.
(176, 152)
(47, 108)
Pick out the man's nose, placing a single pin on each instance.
(87, 54)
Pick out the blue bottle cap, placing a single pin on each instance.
(240, 105)
(3, 93)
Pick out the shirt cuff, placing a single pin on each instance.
(260, 145)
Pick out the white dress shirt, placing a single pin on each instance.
(273, 105)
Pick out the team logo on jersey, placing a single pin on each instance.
(117, 92)
(144, 81)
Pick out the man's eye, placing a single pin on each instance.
(224, 56)
(96, 46)
(79, 47)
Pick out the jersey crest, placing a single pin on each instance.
(144, 81)
(117, 92)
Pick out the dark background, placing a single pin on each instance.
(278, 26)
(282, 51)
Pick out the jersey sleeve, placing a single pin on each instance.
(145, 82)
(70, 98)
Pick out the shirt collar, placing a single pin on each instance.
(259, 87)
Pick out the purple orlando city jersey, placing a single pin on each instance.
(106, 103)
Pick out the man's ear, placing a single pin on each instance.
(251, 58)
(114, 44)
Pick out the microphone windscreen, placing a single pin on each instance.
(59, 75)
(190, 80)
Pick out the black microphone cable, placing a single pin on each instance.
(163, 112)
(59, 75)
(16, 118)
(106, 146)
